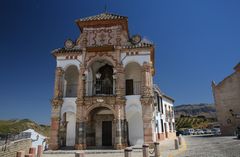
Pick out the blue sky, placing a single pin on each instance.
(195, 42)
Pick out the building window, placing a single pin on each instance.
(166, 111)
(170, 127)
(158, 103)
(161, 104)
(162, 125)
(129, 87)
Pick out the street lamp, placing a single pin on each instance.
(98, 75)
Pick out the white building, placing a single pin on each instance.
(164, 115)
(37, 138)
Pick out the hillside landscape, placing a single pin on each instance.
(194, 115)
(187, 116)
(15, 126)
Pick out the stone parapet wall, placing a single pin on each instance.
(15, 146)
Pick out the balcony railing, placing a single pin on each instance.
(99, 88)
(137, 87)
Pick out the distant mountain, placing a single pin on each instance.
(16, 126)
(194, 115)
(194, 110)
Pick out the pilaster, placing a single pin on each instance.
(80, 119)
(58, 88)
(55, 124)
(121, 123)
(147, 103)
(56, 109)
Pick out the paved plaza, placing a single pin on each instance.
(193, 146)
(211, 146)
(167, 149)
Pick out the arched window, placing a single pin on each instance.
(133, 78)
(71, 81)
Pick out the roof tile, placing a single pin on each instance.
(103, 16)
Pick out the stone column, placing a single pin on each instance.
(58, 88)
(121, 127)
(32, 151)
(147, 100)
(39, 151)
(80, 119)
(57, 102)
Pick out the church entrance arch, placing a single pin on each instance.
(100, 131)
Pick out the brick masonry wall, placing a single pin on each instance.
(14, 147)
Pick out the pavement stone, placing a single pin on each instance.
(166, 147)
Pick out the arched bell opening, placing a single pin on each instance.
(71, 81)
(100, 79)
(133, 78)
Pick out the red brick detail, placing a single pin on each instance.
(161, 136)
(39, 150)
(20, 154)
(32, 150)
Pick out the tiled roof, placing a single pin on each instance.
(141, 44)
(237, 66)
(103, 16)
(65, 50)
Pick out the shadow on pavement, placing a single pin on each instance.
(236, 138)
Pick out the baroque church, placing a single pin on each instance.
(103, 94)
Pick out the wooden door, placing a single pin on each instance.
(107, 133)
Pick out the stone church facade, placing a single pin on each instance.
(227, 101)
(103, 94)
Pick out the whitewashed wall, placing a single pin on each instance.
(37, 139)
(65, 63)
(69, 107)
(140, 58)
(134, 118)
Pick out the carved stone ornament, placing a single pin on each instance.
(136, 39)
(68, 44)
(100, 100)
